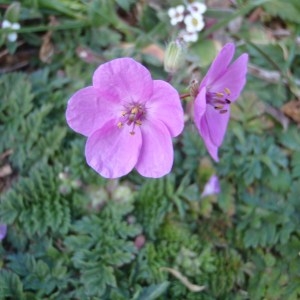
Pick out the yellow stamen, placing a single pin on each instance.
(135, 110)
(227, 91)
(219, 102)
(194, 21)
(138, 122)
(219, 106)
(131, 117)
(124, 113)
(219, 95)
(120, 125)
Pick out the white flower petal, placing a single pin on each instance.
(15, 26)
(171, 12)
(6, 24)
(197, 8)
(180, 9)
(176, 14)
(12, 37)
(189, 36)
(173, 22)
(193, 23)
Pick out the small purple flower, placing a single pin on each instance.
(3, 231)
(129, 120)
(212, 186)
(221, 86)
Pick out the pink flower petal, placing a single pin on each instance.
(199, 107)
(219, 65)
(3, 231)
(234, 78)
(217, 124)
(113, 152)
(156, 156)
(210, 146)
(165, 105)
(87, 111)
(210, 123)
(222, 83)
(212, 187)
(124, 78)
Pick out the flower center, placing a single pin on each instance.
(195, 22)
(219, 100)
(132, 115)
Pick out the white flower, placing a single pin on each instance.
(176, 14)
(196, 8)
(189, 36)
(194, 23)
(12, 37)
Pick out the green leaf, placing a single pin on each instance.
(203, 52)
(125, 4)
(284, 10)
(153, 291)
(97, 278)
(37, 195)
(11, 286)
(296, 164)
(291, 138)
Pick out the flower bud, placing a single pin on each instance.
(12, 12)
(173, 56)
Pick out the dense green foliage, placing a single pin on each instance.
(74, 235)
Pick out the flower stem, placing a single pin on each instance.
(182, 96)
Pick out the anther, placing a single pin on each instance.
(227, 91)
(223, 111)
(135, 110)
(227, 101)
(195, 22)
(219, 95)
(218, 107)
(219, 102)
(131, 117)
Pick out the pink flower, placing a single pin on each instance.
(221, 86)
(129, 120)
(3, 231)
(211, 187)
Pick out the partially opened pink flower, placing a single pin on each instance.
(211, 187)
(128, 118)
(221, 86)
(3, 231)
